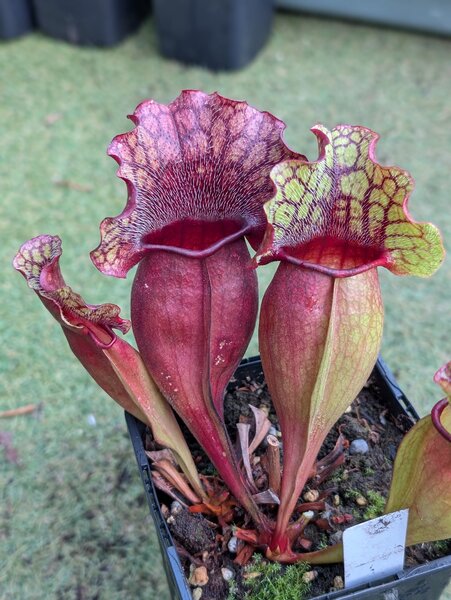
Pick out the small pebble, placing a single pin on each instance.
(336, 500)
(361, 501)
(359, 446)
(272, 430)
(199, 577)
(309, 576)
(311, 496)
(338, 583)
(176, 508)
(233, 544)
(170, 520)
(197, 593)
(91, 420)
(264, 409)
(227, 574)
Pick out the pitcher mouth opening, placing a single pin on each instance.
(197, 238)
(329, 255)
(436, 414)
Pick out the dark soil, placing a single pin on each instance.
(362, 477)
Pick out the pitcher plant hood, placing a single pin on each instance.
(345, 213)
(38, 261)
(197, 172)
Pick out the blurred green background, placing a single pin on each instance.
(73, 521)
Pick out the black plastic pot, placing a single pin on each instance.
(431, 16)
(425, 582)
(16, 18)
(90, 22)
(178, 585)
(218, 34)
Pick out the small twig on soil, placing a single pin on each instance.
(273, 461)
(21, 410)
(373, 430)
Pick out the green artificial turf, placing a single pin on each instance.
(73, 520)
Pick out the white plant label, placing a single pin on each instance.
(375, 549)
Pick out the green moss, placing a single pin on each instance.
(442, 547)
(368, 471)
(376, 505)
(233, 590)
(276, 582)
(337, 477)
(352, 494)
(323, 541)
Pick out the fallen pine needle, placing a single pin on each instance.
(15, 412)
(73, 185)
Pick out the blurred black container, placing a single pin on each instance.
(90, 22)
(431, 16)
(16, 18)
(218, 34)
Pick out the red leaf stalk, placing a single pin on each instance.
(319, 339)
(192, 320)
